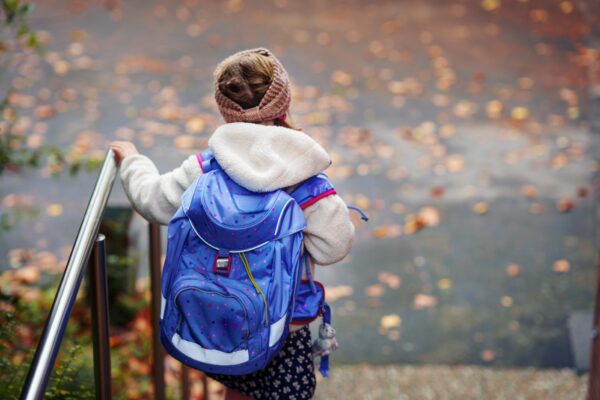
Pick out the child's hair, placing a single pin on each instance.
(245, 78)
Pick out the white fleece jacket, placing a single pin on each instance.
(260, 158)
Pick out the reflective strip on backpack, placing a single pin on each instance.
(208, 356)
(276, 331)
(163, 303)
(281, 216)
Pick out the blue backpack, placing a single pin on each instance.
(231, 282)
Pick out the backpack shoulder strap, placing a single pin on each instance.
(207, 161)
(312, 190)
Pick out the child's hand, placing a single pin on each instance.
(122, 149)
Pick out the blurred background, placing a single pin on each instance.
(468, 131)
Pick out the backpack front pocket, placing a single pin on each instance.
(212, 319)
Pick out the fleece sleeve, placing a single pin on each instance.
(329, 233)
(156, 197)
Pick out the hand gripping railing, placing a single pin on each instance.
(47, 350)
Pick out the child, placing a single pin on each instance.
(260, 150)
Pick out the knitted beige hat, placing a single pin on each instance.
(274, 103)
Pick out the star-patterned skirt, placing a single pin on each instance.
(290, 375)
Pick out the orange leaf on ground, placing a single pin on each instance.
(337, 292)
(481, 208)
(488, 355)
(375, 290)
(390, 321)
(386, 231)
(529, 191)
(565, 205)
(430, 216)
(29, 274)
(583, 192)
(393, 281)
(423, 301)
(561, 266)
(436, 191)
(513, 270)
(536, 208)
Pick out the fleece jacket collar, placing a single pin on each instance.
(263, 158)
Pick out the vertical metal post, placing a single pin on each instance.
(185, 382)
(158, 357)
(98, 293)
(594, 376)
(205, 386)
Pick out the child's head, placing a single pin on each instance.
(253, 86)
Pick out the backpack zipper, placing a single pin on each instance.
(258, 289)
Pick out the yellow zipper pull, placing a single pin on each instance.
(258, 289)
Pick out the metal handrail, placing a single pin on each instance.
(47, 350)
(98, 293)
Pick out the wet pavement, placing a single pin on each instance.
(462, 129)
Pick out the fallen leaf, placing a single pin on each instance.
(61, 68)
(559, 161)
(45, 112)
(436, 191)
(54, 209)
(561, 266)
(386, 231)
(363, 202)
(506, 301)
(341, 78)
(393, 281)
(445, 283)
(423, 301)
(488, 355)
(194, 125)
(28, 274)
(513, 270)
(413, 223)
(454, 163)
(184, 142)
(375, 290)
(519, 113)
(480, 208)
(430, 216)
(583, 192)
(337, 292)
(493, 109)
(490, 5)
(566, 7)
(390, 321)
(529, 191)
(398, 208)
(565, 205)
(539, 15)
(536, 208)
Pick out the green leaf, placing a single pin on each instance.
(22, 30)
(24, 9)
(74, 169)
(33, 41)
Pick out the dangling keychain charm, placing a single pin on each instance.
(326, 343)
